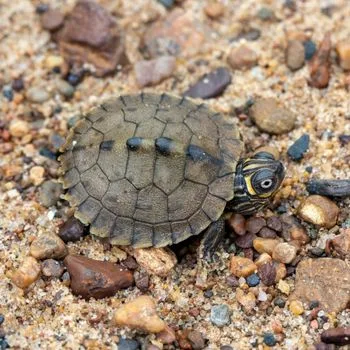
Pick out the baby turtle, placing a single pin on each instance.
(152, 170)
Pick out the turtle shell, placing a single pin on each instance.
(150, 170)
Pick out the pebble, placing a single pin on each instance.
(245, 241)
(283, 286)
(242, 267)
(19, 128)
(167, 3)
(254, 224)
(98, 41)
(242, 57)
(281, 271)
(269, 339)
(65, 88)
(296, 307)
(196, 339)
(265, 14)
(48, 246)
(280, 302)
(271, 118)
(247, 300)
(214, 10)
(141, 280)
(7, 92)
(220, 315)
(37, 94)
(295, 55)
(284, 253)
(293, 230)
(344, 139)
(18, 84)
(274, 223)
(128, 344)
(154, 71)
(263, 259)
(52, 19)
(332, 188)
(210, 85)
(27, 273)
(266, 232)
(330, 281)
(156, 261)
(226, 347)
(167, 335)
(340, 244)
(319, 210)
(130, 263)
(140, 313)
(262, 296)
(338, 336)
(297, 150)
(267, 273)
(237, 223)
(232, 281)
(49, 193)
(265, 245)
(320, 64)
(72, 230)
(343, 51)
(53, 61)
(52, 268)
(36, 175)
(310, 49)
(253, 280)
(2, 319)
(96, 279)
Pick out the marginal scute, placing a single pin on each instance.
(199, 221)
(103, 224)
(143, 235)
(88, 210)
(223, 187)
(213, 206)
(95, 182)
(162, 235)
(122, 231)
(82, 126)
(71, 178)
(76, 195)
(181, 230)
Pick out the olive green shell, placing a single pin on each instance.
(150, 195)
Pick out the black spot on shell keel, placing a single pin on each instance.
(107, 145)
(164, 145)
(134, 143)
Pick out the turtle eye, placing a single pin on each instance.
(263, 181)
(266, 184)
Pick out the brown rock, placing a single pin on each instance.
(48, 246)
(27, 273)
(242, 267)
(254, 225)
(237, 223)
(262, 259)
(274, 223)
(196, 339)
(343, 51)
(325, 280)
(214, 10)
(167, 335)
(141, 280)
(267, 273)
(319, 210)
(295, 55)
(90, 34)
(140, 313)
(52, 20)
(242, 58)
(154, 71)
(177, 33)
(156, 261)
(265, 245)
(52, 268)
(281, 271)
(320, 64)
(245, 241)
(340, 245)
(284, 253)
(96, 279)
(338, 336)
(248, 301)
(271, 118)
(266, 232)
(293, 230)
(72, 230)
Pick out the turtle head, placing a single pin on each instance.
(257, 180)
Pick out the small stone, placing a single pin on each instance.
(156, 261)
(280, 302)
(167, 3)
(262, 296)
(130, 263)
(267, 273)
(19, 128)
(18, 84)
(220, 315)
(96, 279)
(142, 280)
(65, 88)
(263, 259)
(310, 49)
(269, 339)
(237, 223)
(7, 92)
(242, 267)
(37, 94)
(72, 230)
(283, 286)
(265, 14)
(332, 188)
(52, 19)
(254, 224)
(247, 300)
(319, 211)
(242, 57)
(52, 61)
(49, 193)
(265, 245)
(330, 281)
(154, 71)
(344, 139)
(296, 307)
(232, 281)
(210, 85)
(295, 55)
(140, 313)
(338, 336)
(281, 271)
(271, 118)
(253, 280)
(128, 344)
(27, 273)
(167, 335)
(226, 347)
(293, 230)
(196, 339)
(36, 175)
(52, 268)
(48, 246)
(266, 232)
(320, 64)
(274, 223)
(284, 253)
(343, 51)
(245, 241)
(340, 244)
(297, 150)
(214, 10)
